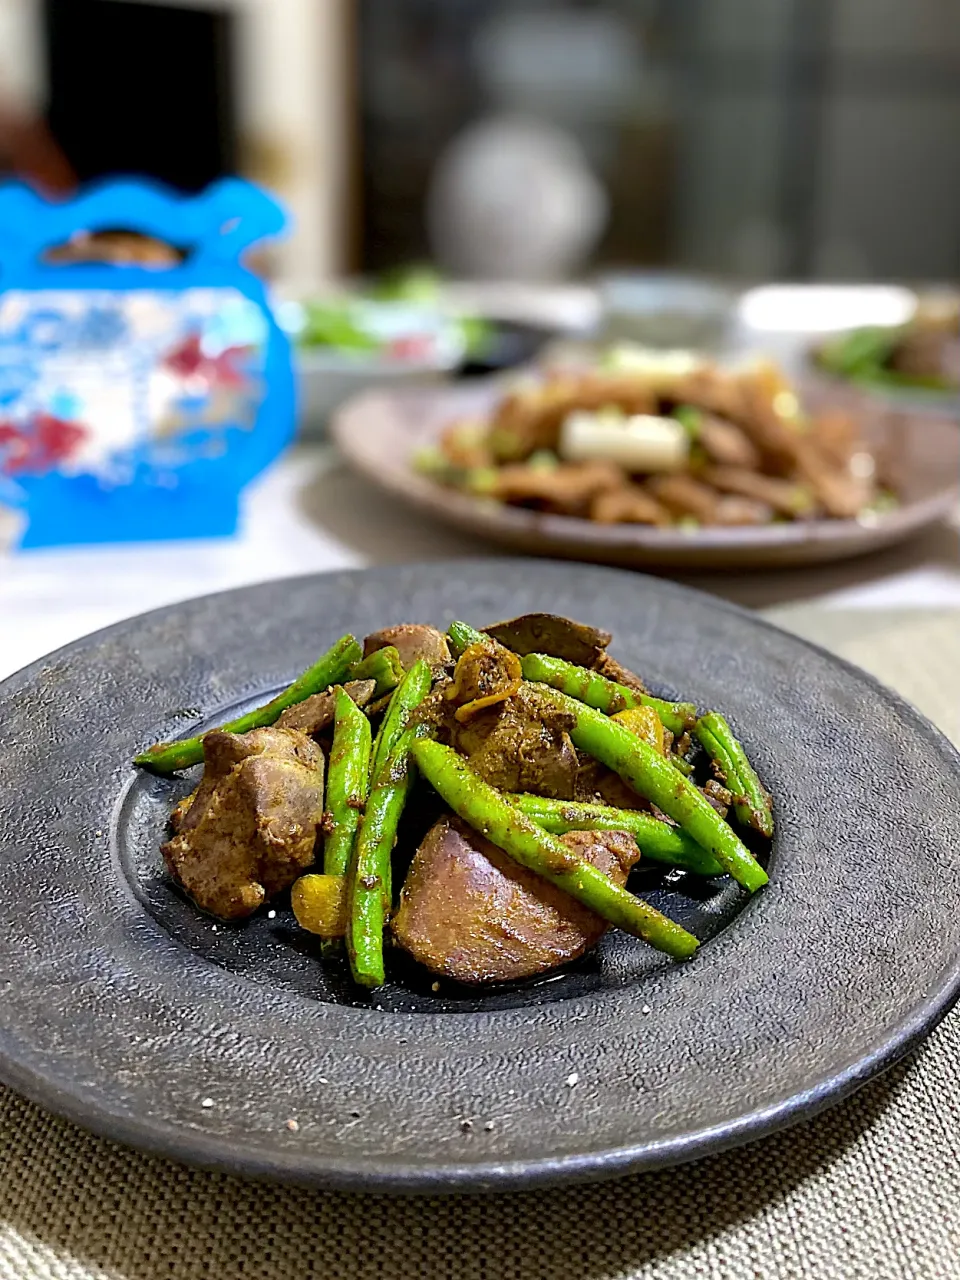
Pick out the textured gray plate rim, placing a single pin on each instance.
(40, 1077)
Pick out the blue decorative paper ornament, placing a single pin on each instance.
(137, 401)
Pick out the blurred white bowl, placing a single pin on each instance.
(328, 377)
(663, 309)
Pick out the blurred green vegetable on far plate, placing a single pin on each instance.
(401, 316)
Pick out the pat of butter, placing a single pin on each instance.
(642, 442)
(652, 362)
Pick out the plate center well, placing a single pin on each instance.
(270, 947)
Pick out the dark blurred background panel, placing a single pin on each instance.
(802, 138)
(416, 90)
(820, 138)
(142, 89)
(428, 68)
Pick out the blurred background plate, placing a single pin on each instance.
(408, 327)
(327, 378)
(379, 433)
(791, 321)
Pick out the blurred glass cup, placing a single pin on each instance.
(665, 309)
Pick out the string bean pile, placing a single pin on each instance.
(476, 798)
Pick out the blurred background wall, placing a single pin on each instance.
(749, 138)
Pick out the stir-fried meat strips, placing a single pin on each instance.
(485, 675)
(568, 488)
(732, 511)
(841, 494)
(465, 444)
(315, 713)
(785, 496)
(553, 634)
(708, 387)
(252, 825)
(746, 424)
(725, 443)
(469, 912)
(612, 669)
(623, 390)
(675, 496)
(519, 745)
(926, 353)
(766, 412)
(412, 640)
(629, 505)
(530, 419)
(836, 435)
(684, 496)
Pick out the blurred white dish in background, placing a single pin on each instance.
(373, 331)
(514, 199)
(412, 345)
(569, 308)
(327, 377)
(824, 308)
(665, 309)
(649, 362)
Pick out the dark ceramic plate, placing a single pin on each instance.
(125, 1010)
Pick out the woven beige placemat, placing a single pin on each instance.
(871, 1188)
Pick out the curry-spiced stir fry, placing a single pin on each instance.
(663, 439)
(547, 771)
(924, 352)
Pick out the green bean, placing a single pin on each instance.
(751, 801)
(348, 776)
(330, 669)
(370, 876)
(603, 694)
(461, 635)
(652, 775)
(862, 351)
(409, 693)
(491, 813)
(383, 666)
(658, 841)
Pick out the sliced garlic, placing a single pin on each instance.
(638, 443)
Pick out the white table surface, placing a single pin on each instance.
(309, 514)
